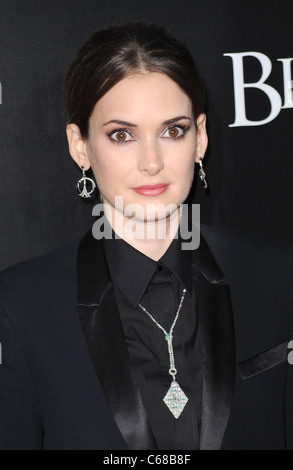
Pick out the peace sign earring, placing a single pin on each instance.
(202, 174)
(81, 186)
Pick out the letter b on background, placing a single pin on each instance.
(240, 86)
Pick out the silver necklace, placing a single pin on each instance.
(175, 398)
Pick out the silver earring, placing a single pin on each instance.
(81, 185)
(202, 174)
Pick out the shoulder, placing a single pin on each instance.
(50, 264)
(248, 250)
(236, 239)
(258, 270)
(254, 265)
(39, 279)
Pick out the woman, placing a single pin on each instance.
(128, 340)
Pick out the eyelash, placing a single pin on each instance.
(123, 129)
(180, 126)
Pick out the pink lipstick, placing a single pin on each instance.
(151, 189)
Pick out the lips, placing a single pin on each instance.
(151, 189)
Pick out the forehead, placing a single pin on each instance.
(143, 96)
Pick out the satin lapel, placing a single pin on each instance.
(103, 330)
(217, 329)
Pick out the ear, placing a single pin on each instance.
(201, 137)
(77, 146)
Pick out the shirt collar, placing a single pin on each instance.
(131, 271)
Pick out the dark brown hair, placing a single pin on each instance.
(116, 52)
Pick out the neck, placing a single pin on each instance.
(152, 238)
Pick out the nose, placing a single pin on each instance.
(150, 159)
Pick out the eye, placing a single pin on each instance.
(175, 132)
(120, 135)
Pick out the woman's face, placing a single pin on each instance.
(143, 142)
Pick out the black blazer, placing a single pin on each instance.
(65, 377)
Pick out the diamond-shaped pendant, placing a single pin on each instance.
(175, 399)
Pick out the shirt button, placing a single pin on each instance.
(159, 268)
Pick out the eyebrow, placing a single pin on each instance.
(129, 124)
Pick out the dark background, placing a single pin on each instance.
(249, 168)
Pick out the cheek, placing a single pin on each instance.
(185, 172)
(187, 177)
(184, 166)
(111, 171)
(100, 161)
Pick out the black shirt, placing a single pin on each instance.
(158, 287)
